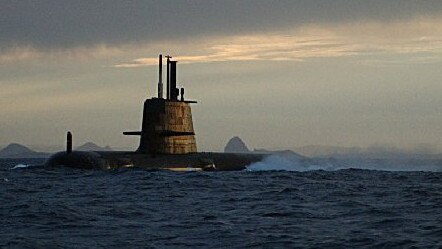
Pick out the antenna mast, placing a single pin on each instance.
(168, 80)
(160, 77)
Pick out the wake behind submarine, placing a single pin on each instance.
(167, 139)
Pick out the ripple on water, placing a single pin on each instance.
(68, 208)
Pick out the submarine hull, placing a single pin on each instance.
(202, 161)
(167, 139)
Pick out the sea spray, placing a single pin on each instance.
(288, 162)
(20, 166)
(293, 162)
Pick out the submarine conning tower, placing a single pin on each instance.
(167, 126)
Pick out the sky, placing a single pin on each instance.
(279, 74)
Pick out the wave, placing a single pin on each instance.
(22, 166)
(295, 163)
(287, 163)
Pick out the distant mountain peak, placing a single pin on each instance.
(15, 150)
(236, 145)
(90, 146)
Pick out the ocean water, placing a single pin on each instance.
(280, 203)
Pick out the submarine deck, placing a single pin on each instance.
(119, 159)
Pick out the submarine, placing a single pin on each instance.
(167, 139)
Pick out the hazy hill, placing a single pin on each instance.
(89, 146)
(15, 150)
(236, 145)
(279, 152)
(358, 152)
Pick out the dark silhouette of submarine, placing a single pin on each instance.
(167, 139)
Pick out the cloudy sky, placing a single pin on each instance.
(279, 74)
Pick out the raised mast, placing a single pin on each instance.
(168, 77)
(160, 77)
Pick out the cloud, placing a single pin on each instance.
(50, 24)
(15, 54)
(258, 47)
(421, 38)
(29, 53)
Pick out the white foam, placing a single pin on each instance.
(287, 163)
(20, 166)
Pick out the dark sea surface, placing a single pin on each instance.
(303, 208)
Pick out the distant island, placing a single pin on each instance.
(15, 150)
(373, 152)
(237, 145)
(89, 146)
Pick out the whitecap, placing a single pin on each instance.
(20, 166)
